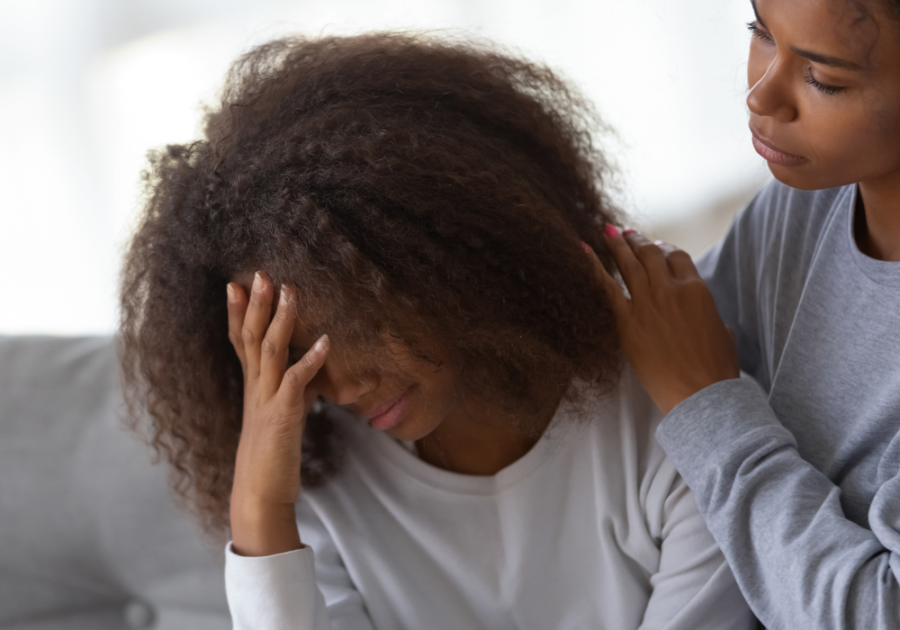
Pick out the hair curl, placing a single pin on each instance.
(391, 178)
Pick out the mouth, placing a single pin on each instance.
(390, 413)
(773, 154)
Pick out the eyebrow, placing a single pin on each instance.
(825, 60)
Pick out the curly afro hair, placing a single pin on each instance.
(431, 188)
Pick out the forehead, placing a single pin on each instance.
(847, 29)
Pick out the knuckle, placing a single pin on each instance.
(269, 347)
(646, 250)
(679, 255)
(235, 339)
(281, 314)
(248, 337)
(633, 267)
(258, 298)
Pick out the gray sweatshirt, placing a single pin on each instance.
(799, 477)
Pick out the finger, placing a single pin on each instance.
(237, 307)
(274, 347)
(680, 263)
(621, 304)
(630, 268)
(293, 385)
(256, 320)
(651, 256)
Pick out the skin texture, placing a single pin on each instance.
(824, 91)
(466, 436)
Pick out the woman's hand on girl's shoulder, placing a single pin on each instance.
(671, 331)
(276, 402)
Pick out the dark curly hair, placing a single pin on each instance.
(430, 188)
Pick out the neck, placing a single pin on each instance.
(877, 227)
(480, 439)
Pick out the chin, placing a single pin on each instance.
(411, 429)
(804, 177)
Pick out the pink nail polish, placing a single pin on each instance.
(585, 247)
(628, 231)
(611, 230)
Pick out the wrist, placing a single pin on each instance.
(263, 529)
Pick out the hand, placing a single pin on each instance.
(276, 402)
(670, 329)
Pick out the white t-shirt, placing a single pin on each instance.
(591, 529)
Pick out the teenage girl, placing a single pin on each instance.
(412, 323)
(798, 473)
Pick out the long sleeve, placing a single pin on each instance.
(297, 590)
(800, 562)
(797, 474)
(694, 588)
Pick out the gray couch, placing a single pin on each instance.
(90, 537)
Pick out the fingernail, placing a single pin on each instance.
(319, 346)
(257, 282)
(585, 247)
(628, 231)
(284, 298)
(611, 230)
(230, 290)
(659, 243)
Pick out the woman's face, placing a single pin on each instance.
(825, 92)
(396, 391)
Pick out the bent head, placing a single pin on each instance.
(424, 199)
(825, 90)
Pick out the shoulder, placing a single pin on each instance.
(622, 428)
(777, 234)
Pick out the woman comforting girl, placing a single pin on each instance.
(360, 314)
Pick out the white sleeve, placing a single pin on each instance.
(297, 590)
(694, 588)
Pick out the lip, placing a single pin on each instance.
(773, 154)
(390, 413)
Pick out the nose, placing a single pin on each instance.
(345, 386)
(770, 93)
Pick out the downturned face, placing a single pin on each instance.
(389, 386)
(396, 391)
(824, 95)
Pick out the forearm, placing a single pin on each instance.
(800, 562)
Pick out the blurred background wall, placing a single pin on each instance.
(87, 87)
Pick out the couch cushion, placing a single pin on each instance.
(89, 534)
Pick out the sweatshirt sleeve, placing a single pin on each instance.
(798, 560)
(297, 590)
(693, 588)
(276, 592)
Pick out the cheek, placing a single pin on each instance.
(859, 141)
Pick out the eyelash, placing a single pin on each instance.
(758, 32)
(830, 90)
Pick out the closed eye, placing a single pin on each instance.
(759, 33)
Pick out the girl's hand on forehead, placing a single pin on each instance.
(670, 329)
(276, 401)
